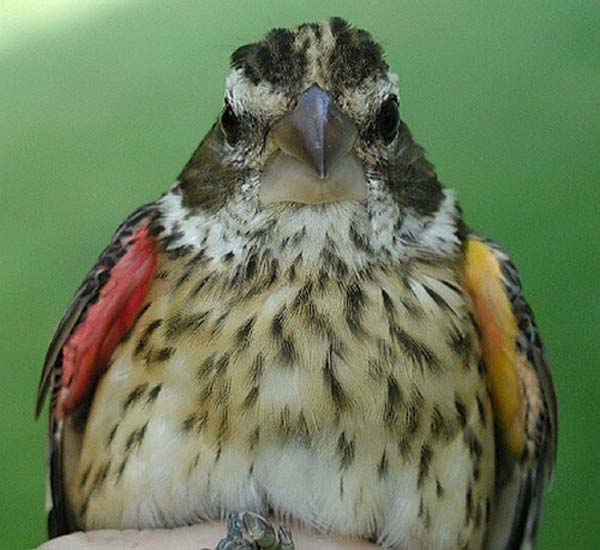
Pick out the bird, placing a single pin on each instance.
(303, 329)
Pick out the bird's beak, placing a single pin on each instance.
(314, 161)
(316, 132)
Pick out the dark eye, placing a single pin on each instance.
(388, 119)
(230, 124)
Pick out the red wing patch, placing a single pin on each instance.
(87, 353)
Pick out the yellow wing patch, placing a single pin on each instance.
(499, 331)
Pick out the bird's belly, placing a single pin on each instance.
(399, 501)
(363, 421)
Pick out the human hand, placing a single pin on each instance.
(195, 537)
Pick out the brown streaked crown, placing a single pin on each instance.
(281, 57)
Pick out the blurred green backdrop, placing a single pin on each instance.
(101, 103)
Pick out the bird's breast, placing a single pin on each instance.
(315, 394)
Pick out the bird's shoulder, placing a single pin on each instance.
(136, 228)
(99, 314)
(520, 382)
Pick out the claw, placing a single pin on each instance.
(260, 530)
(285, 538)
(235, 535)
(248, 531)
(235, 525)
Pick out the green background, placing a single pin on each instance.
(100, 108)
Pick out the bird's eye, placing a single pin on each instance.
(230, 124)
(388, 119)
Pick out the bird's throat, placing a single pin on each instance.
(287, 179)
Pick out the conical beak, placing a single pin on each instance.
(317, 132)
(313, 162)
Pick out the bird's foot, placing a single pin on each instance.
(248, 531)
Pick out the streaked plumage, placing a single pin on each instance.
(322, 338)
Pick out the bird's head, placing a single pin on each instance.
(310, 134)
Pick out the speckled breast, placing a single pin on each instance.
(352, 402)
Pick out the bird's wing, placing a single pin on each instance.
(522, 392)
(99, 315)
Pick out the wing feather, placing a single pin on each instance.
(111, 296)
(523, 395)
(87, 295)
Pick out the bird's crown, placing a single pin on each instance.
(331, 51)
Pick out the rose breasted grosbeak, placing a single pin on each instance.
(303, 327)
